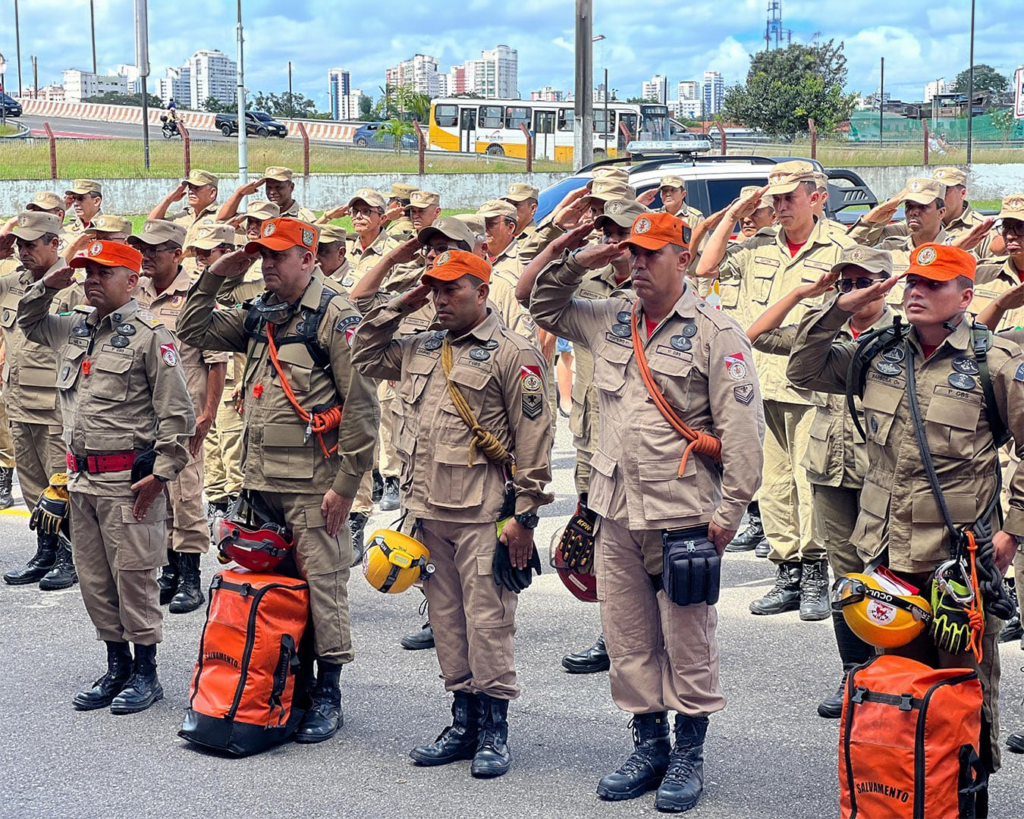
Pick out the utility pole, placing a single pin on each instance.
(881, 104)
(142, 61)
(970, 94)
(607, 125)
(583, 122)
(243, 143)
(17, 44)
(92, 28)
(291, 104)
(35, 77)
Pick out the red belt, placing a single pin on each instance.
(112, 462)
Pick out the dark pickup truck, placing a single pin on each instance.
(256, 124)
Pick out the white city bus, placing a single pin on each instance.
(492, 127)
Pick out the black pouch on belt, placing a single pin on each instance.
(692, 567)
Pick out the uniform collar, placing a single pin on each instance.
(181, 283)
(311, 298)
(122, 314)
(510, 252)
(817, 236)
(961, 221)
(373, 247)
(959, 339)
(341, 272)
(685, 307)
(487, 329)
(883, 320)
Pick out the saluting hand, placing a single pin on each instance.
(339, 212)
(335, 509)
(597, 256)
(974, 237)
(406, 252)
(249, 188)
(818, 288)
(573, 240)
(571, 210)
(178, 193)
(743, 207)
(393, 213)
(145, 491)
(413, 300)
(856, 299)
(882, 214)
(233, 264)
(647, 197)
(60, 278)
(6, 245)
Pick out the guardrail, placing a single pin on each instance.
(23, 130)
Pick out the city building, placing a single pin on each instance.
(714, 93)
(655, 89)
(81, 85)
(549, 94)
(177, 85)
(49, 93)
(495, 75)
(420, 73)
(212, 74)
(688, 90)
(934, 88)
(131, 73)
(452, 82)
(685, 109)
(354, 104)
(339, 89)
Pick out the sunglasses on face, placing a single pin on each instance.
(862, 283)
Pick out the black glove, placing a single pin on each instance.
(577, 543)
(507, 575)
(143, 465)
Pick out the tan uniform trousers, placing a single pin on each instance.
(388, 462)
(785, 496)
(474, 619)
(664, 657)
(188, 532)
(324, 562)
(834, 516)
(117, 558)
(222, 453)
(39, 453)
(363, 501)
(6, 441)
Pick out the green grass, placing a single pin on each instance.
(864, 154)
(123, 158)
(7, 130)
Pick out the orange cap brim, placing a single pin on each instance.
(651, 242)
(443, 275)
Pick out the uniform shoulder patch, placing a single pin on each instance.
(743, 393)
(348, 325)
(169, 355)
(1019, 375)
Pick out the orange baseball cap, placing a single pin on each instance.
(941, 263)
(283, 233)
(454, 264)
(109, 254)
(652, 231)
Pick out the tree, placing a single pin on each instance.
(787, 86)
(643, 100)
(117, 98)
(284, 105)
(396, 129)
(215, 106)
(1006, 124)
(366, 112)
(986, 78)
(402, 102)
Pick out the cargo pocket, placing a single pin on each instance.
(38, 388)
(318, 553)
(816, 460)
(296, 366)
(761, 284)
(69, 365)
(143, 544)
(952, 427)
(929, 527)
(286, 453)
(874, 510)
(880, 406)
(502, 611)
(610, 361)
(602, 482)
(108, 378)
(666, 494)
(673, 376)
(454, 484)
(728, 295)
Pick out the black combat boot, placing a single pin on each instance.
(41, 563)
(785, 595)
(1012, 629)
(853, 652)
(814, 604)
(1015, 743)
(190, 590)
(168, 578)
(378, 487)
(389, 501)
(492, 756)
(6, 490)
(424, 638)
(323, 720)
(357, 527)
(63, 574)
(646, 766)
(683, 784)
(589, 661)
(751, 537)
(103, 691)
(142, 688)
(458, 740)
(764, 548)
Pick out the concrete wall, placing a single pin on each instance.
(983, 181)
(320, 191)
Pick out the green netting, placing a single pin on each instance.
(864, 128)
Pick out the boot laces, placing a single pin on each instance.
(680, 766)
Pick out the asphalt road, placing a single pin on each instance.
(96, 129)
(768, 754)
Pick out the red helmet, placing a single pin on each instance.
(583, 585)
(250, 539)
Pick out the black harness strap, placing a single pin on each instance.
(307, 329)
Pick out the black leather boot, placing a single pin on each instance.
(389, 500)
(646, 765)
(357, 527)
(142, 688)
(190, 590)
(492, 756)
(168, 578)
(6, 490)
(683, 784)
(853, 652)
(40, 563)
(1012, 629)
(458, 740)
(1015, 743)
(814, 604)
(785, 595)
(764, 548)
(323, 720)
(103, 691)
(63, 574)
(378, 487)
(589, 661)
(424, 638)
(751, 537)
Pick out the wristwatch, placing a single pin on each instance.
(528, 520)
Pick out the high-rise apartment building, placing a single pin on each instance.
(495, 75)
(655, 89)
(212, 74)
(81, 85)
(339, 89)
(714, 93)
(419, 73)
(177, 85)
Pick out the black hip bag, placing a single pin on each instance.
(692, 567)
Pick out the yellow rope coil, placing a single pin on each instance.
(482, 439)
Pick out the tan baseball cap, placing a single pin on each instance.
(451, 227)
(197, 177)
(83, 186)
(475, 223)
(45, 200)
(108, 223)
(521, 192)
(261, 209)
(207, 237)
(369, 197)
(787, 176)
(424, 199)
(623, 212)
(278, 174)
(158, 231)
(621, 174)
(609, 189)
(33, 224)
(821, 179)
(923, 191)
(1012, 207)
(496, 207)
(329, 234)
(868, 258)
(672, 182)
(950, 176)
(401, 190)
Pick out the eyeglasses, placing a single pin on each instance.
(430, 250)
(1012, 227)
(847, 285)
(366, 213)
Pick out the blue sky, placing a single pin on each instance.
(919, 40)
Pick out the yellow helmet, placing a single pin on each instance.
(392, 561)
(878, 617)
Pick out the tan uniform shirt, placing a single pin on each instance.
(501, 376)
(967, 219)
(401, 229)
(115, 396)
(300, 213)
(898, 508)
(30, 369)
(506, 269)
(691, 216)
(766, 272)
(188, 218)
(363, 259)
(526, 232)
(702, 362)
(278, 455)
(167, 306)
(990, 282)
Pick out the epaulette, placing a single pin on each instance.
(147, 319)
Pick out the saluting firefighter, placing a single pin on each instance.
(678, 458)
(127, 422)
(310, 424)
(474, 433)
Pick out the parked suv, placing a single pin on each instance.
(256, 124)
